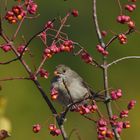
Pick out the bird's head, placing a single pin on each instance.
(62, 71)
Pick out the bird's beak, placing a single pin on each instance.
(8, 135)
(56, 73)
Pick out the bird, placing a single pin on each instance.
(3, 134)
(70, 86)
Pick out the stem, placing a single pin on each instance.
(116, 36)
(121, 11)
(123, 58)
(95, 20)
(15, 78)
(108, 101)
(105, 72)
(18, 28)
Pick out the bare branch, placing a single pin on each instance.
(18, 28)
(98, 32)
(15, 78)
(123, 58)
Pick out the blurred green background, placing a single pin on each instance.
(25, 105)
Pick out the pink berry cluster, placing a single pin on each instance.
(44, 73)
(125, 19)
(31, 6)
(66, 46)
(115, 95)
(101, 50)
(18, 12)
(130, 7)
(103, 131)
(86, 57)
(86, 109)
(122, 38)
(54, 131)
(54, 94)
(120, 125)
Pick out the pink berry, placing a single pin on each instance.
(124, 114)
(126, 124)
(131, 104)
(104, 33)
(54, 94)
(49, 24)
(6, 48)
(36, 128)
(43, 73)
(32, 7)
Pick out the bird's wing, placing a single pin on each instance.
(86, 85)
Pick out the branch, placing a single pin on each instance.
(35, 36)
(123, 58)
(98, 32)
(15, 78)
(9, 61)
(116, 36)
(105, 71)
(53, 110)
(18, 28)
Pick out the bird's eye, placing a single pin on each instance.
(64, 71)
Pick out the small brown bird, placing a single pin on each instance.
(71, 87)
(3, 134)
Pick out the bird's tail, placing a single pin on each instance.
(97, 95)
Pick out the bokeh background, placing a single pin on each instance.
(25, 105)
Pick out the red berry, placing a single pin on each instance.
(43, 73)
(104, 33)
(6, 47)
(75, 13)
(36, 128)
(49, 24)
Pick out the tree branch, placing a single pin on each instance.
(123, 58)
(105, 71)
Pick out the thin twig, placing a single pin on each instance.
(89, 118)
(116, 36)
(97, 25)
(76, 132)
(15, 78)
(123, 58)
(18, 28)
(36, 34)
(121, 11)
(36, 16)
